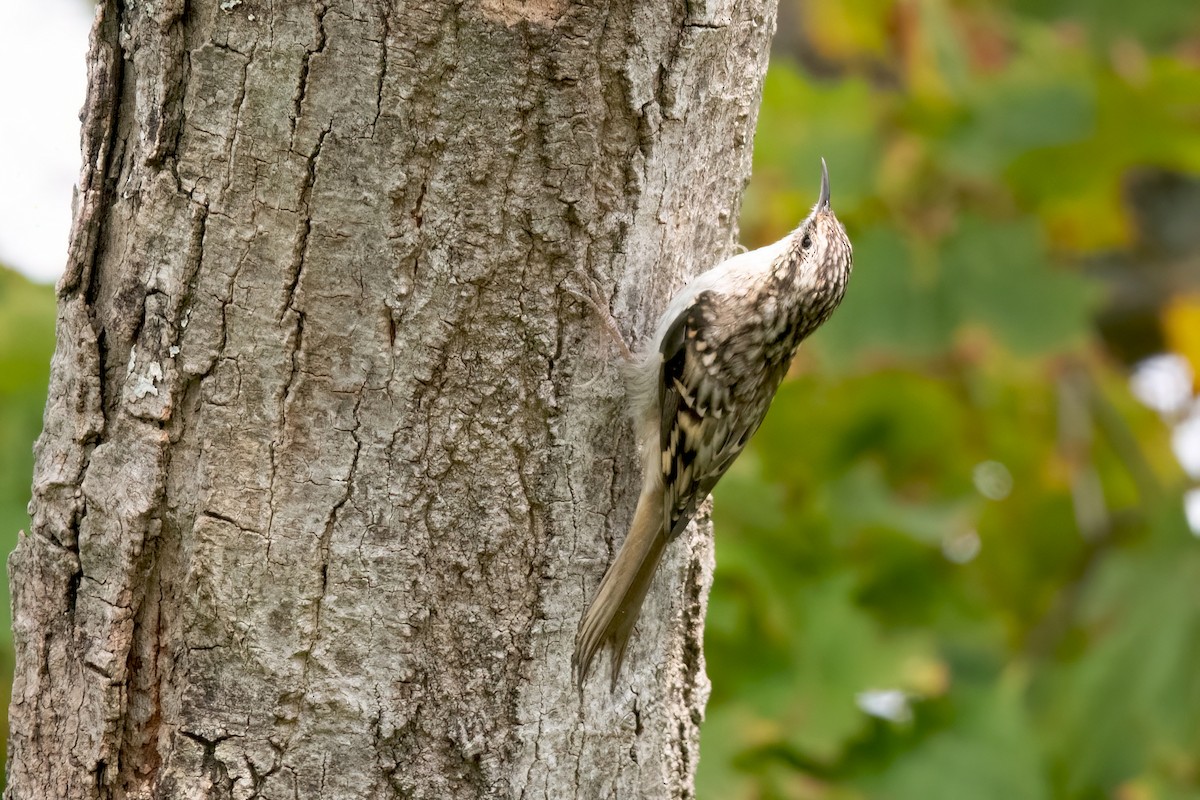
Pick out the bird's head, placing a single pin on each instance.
(821, 241)
(818, 260)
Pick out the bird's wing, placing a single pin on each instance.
(699, 434)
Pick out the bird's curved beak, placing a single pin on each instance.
(823, 199)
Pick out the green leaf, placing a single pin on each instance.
(997, 276)
(988, 753)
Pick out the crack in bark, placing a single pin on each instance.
(105, 77)
(226, 519)
(180, 124)
(163, 41)
(296, 345)
(235, 128)
(300, 246)
(324, 545)
(385, 20)
(319, 13)
(217, 771)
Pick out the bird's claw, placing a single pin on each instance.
(595, 299)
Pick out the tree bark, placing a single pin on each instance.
(332, 462)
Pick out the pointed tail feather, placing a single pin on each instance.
(618, 602)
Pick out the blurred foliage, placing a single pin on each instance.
(26, 343)
(954, 498)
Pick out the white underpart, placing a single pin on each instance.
(734, 271)
(644, 372)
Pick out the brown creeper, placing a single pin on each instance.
(701, 388)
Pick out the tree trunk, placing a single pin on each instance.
(332, 463)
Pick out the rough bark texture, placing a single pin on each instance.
(332, 463)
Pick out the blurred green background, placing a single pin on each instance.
(954, 562)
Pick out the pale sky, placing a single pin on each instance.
(43, 46)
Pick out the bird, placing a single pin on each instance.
(700, 388)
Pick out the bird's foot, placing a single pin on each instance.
(595, 299)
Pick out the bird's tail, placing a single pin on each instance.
(611, 616)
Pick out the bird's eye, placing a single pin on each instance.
(806, 242)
